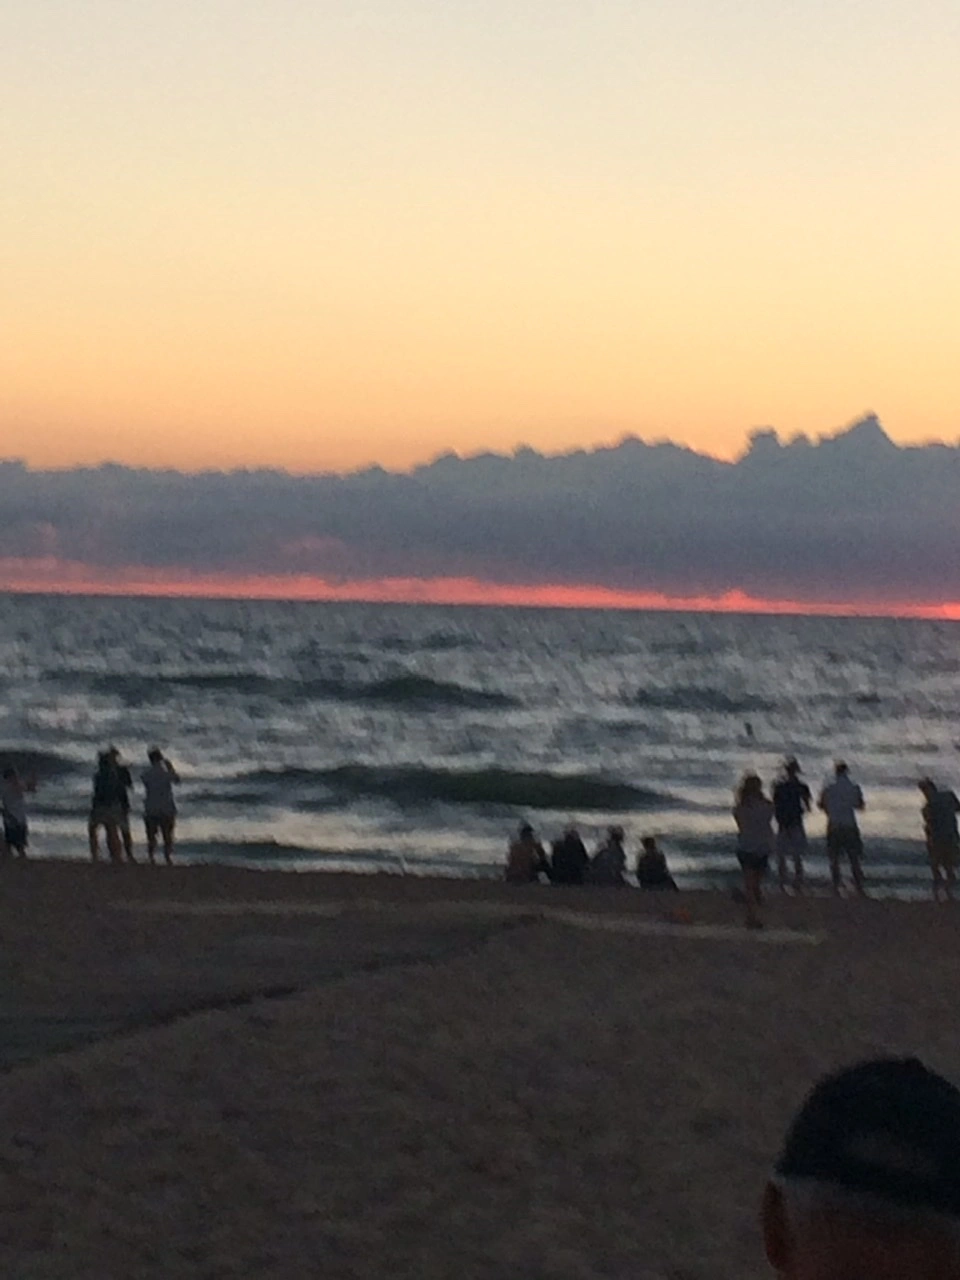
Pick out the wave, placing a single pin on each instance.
(408, 690)
(42, 764)
(260, 850)
(413, 785)
(435, 642)
(696, 698)
(413, 690)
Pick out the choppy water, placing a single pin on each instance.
(376, 737)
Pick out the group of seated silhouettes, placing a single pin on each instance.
(569, 862)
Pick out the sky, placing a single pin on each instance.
(315, 234)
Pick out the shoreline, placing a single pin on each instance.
(723, 881)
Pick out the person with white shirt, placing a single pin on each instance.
(841, 800)
(159, 806)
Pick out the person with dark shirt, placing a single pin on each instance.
(125, 783)
(791, 800)
(569, 860)
(106, 809)
(610, 860)
(652, 870)
(943, 838)
(13, 809)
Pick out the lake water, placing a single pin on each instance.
(416, 737)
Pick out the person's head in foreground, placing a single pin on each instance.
(867, 1186)
(841, 768)
(791, 767)
(155, 755)
(649, 844)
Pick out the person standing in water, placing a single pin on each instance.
(791, 800)
(940, 810)
(753, 814)
(841, 800)
(159, 806)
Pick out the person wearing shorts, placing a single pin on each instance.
(841, 800)
(159, 806)
(940, 810)
(791, 800)
(106, 807)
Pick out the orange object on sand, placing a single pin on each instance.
(680, 915)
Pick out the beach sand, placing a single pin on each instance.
(436, 1079)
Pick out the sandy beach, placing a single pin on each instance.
(223, 1073)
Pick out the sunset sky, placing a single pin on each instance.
(317, 234)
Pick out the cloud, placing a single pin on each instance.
(851, 517)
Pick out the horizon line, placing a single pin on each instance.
(456, 592)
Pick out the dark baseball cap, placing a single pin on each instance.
(888, 1128)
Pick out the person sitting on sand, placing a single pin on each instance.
(569, 861)
(867, 1186)
(13, 806)
(159, 806)
(106, 809)
(652, 869)
(841, 800)
(526, 858)
(753, 814)
(610, 861)
(791, 800)
(943, 838)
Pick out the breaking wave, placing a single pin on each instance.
(407, 690)
(420, 784)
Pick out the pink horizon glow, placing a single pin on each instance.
(63, 577)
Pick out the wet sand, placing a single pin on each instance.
(418, 1077)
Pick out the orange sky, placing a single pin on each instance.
(319, 236)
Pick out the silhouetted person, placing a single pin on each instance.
(753, 814)
(652, 869)
(159, 806)
(126, 785)
(791, 800)
(106, 809)
(867, 1186)
(13, 806)
(569, 860)
(525, 858)
(841, 800)
(610, 861)
(939, 812)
